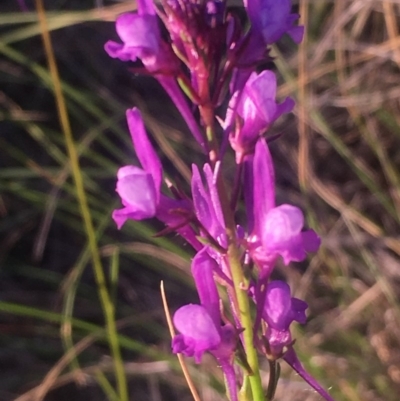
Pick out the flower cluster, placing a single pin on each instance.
(210, 59)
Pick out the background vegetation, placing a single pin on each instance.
(339, 159)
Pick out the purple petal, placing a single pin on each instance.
(248, 190)
(171, 87)
(198, 332)
(138, 195)
(173, 212)
(230, 379)
(273, 19)
(228, 344)
(143, 148)
(206, 204)
(257, 107)
(278, 305)
(297, 33)
(279, 312)
(120, 216)
(116, 50)
(299, 310)
(201, 199)
(278, 340)
(276, 19)
(285, 107)
(141, 39)
(146, 7)
(261, 89)
(218, 229)
(128, 213)
(281, 233)
(177, 213)
(263, 185)
(203, 273)
(291, 358)
(311, 241)
(139, 31)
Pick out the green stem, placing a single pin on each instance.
(233, 255)
(240, 287)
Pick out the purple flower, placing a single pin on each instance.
(200, 325)
(138, 188)
(271, 19)
(207, 205)
(142, 40)
(279, 311)
(257, 109)
(276, 230)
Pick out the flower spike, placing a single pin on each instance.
(206, 57)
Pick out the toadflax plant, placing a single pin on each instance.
(209, 63)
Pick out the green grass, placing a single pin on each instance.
(346, 176)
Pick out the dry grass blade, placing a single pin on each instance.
(161, 254)
(304, 131)
(182, 362)
(50, 380)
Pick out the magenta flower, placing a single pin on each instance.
(276, 230)
(206, 203)
(142, 40)
(280, 310)
(200, 325)
(138, 188)
(271, 19)
(257, 109)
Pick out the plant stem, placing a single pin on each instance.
(240, 286)
(106, 302)
(239, 281)
(273, 379)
